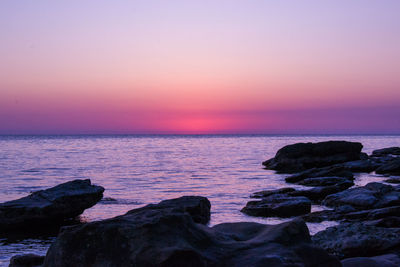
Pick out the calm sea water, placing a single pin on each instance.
(137, 170)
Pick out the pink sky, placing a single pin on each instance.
(199, 67)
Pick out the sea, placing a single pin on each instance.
(136, 170)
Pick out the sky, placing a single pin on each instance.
(98, 67)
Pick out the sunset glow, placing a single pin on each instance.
(199, 67)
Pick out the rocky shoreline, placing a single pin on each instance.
(174, 232)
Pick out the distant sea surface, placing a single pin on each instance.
(138, 170)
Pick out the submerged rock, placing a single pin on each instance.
(49, 207)
(358, 240)
(166, 234)
(26, 260)
(303, 156)
(278, 205)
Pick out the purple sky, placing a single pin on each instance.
(199, 67)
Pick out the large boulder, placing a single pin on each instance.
(358, 240)
(278, 205)
(371, 196)
(303, 156)
(167, 235)
(49, 207)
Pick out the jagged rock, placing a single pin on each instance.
(278, 205)
(358, 240)
(303, 156)
(386, 151)
(167, 235)
(49, 207)
(387, 260)
(333, 171)
(392, 167)
(26, 260)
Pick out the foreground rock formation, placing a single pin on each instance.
(172, 233)
(303, 156)
(49, 207)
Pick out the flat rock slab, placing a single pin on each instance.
(50, 206)
(303, 156)
(278, 205)
(167, 235)
(358, 240)
(371, 196)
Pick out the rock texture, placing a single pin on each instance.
(390, 168)
(373, 195)
(303, 156)
(26, 260)
(387, 260)
(166, 234)
(278, 205)
(386, 151)
(358, 240)
(49, 207)
(331, 171)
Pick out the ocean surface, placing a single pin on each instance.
(138, 170)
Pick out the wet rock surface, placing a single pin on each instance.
(166, 234)
(386, 151)
(331, 171)
(391, 168)
(50, 207)
(303, 156)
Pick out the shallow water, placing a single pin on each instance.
(137, 170)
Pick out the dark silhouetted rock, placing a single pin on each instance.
(303, 156)
(358, 240)
(166, 235)
(267, 193)
(386, 151)
(320, 192)
(26, 260)
(387, 260)
(393, 181)
(278, 205)
(367, 165)
(333, 171)
(373, 195)
(323, 181)
(49, 207)
(391, 167)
